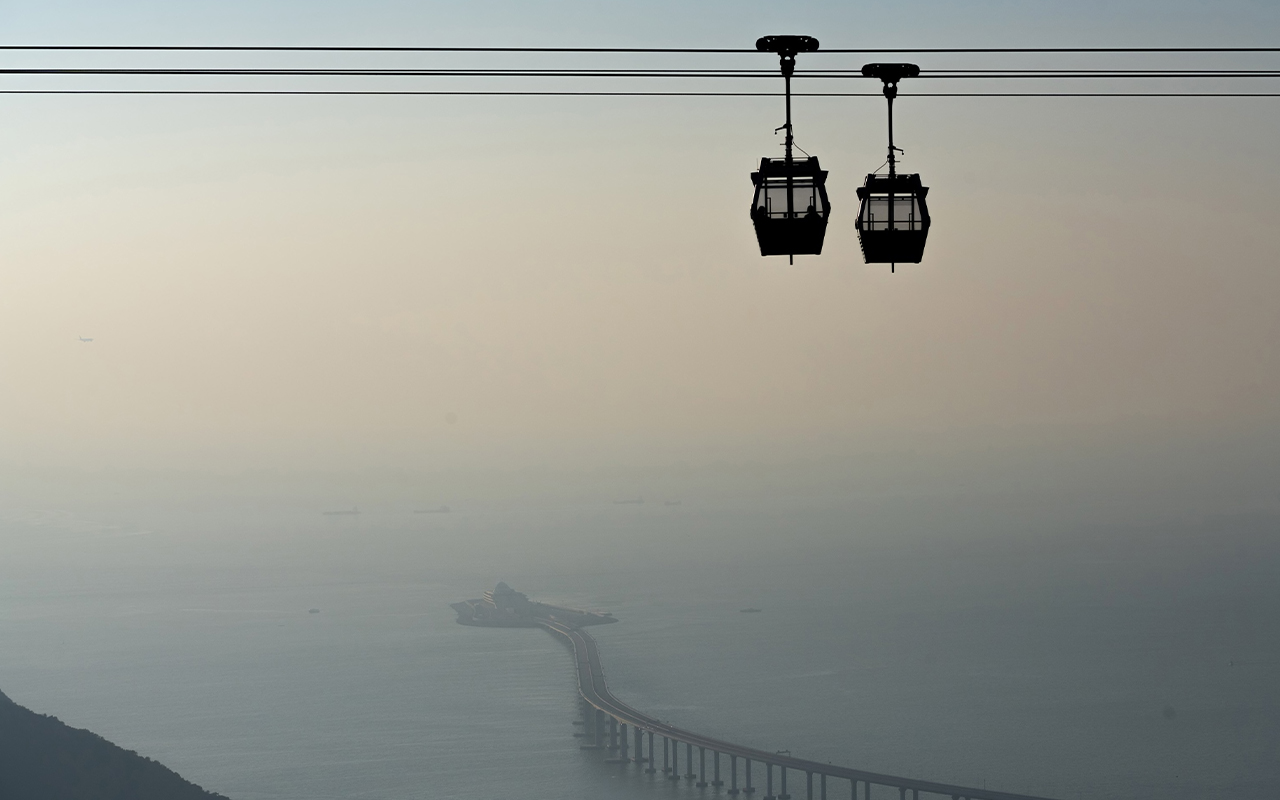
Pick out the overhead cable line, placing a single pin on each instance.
(515, 93)
(703, 74)
(710, 50)
(639, 73)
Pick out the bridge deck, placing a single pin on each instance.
(592, 687)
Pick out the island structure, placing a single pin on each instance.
(504, 607)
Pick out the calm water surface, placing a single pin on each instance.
(1089, 666)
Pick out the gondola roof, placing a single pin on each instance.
(897, 184)
(778, 168)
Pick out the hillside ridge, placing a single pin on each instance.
(43, 758)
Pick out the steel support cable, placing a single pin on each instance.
(620, 50)
(1087, 73)
(536, 93)
(655, 74)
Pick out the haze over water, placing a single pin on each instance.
(1112, 662)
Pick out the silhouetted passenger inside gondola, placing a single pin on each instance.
(783, 185)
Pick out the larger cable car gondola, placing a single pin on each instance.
(790, 208)
(893, 219)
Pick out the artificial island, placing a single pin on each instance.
(504, 607)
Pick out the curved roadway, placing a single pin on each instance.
(592, 687)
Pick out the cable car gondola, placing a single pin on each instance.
(790, 208)
(893, 220)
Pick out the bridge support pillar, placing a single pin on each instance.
(822, 780)
(702, 768)
(622, 741)
(638, 735)
(675, 760)
(590, 726)
(749, 789)
(733, 775)
(599, 728)
(768, 783)
(808, 790)
(613, 733)
(715, 780)
(782, 795)
(688, 760)
(651, 768)
(666, 755)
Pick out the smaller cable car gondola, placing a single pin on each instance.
(790, 208)
(893, 218)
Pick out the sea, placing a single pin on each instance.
(1090, 663)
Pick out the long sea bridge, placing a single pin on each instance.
(609, 723)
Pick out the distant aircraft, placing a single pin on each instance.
(83, 339)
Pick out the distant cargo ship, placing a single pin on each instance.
(350, 513)
(504, 607)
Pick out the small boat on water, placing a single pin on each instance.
(351, 513)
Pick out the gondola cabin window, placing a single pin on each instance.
(805, 199)
(877, 214)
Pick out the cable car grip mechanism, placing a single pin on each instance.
(787, 47)
(890, 74)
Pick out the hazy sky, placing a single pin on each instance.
(351, 281)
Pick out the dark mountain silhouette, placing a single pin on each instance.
(43, 759)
